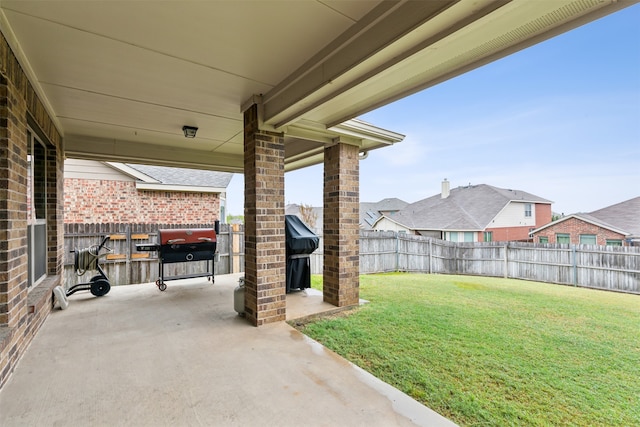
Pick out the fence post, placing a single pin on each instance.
(574, 262)
(128, 263)
(230, 248)
(397, 251)
(430, 255)
(506, 260)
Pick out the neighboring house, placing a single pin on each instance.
(472, 213)
(294, 209)
(617, 225)
(106, 192)
(370, 212)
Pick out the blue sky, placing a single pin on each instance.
(560, 120)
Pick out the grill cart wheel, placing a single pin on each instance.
(161, 285)
(100, 287)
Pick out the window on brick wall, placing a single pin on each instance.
(543, 239)
(488, 236)
(588, 239)
(36, 209)
(614, 242)
(563, 238)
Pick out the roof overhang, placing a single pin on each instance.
(581, 218)
(123, 92)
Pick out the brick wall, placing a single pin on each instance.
(22, 310)
(341, 216)
(103, 201)
(13, 205)
(265, 245)
(575, 227)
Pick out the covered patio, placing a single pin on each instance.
(252, 87)
(138, 356)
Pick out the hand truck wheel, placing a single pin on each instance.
(100, 287)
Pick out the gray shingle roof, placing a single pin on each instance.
(624, 216)
(370, 212)
(470, 207)
(183, 176)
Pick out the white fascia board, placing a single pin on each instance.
(133, 173)
(184, 188)
(390, 219)
(354, 128)
(581, 218)
(364, 130)
(450, 230)
(538, 202)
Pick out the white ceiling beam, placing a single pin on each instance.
(327, 72)
(104, 149)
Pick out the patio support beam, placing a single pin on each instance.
(265, 275)
(341, 281)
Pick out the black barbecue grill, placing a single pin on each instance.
(183, 245)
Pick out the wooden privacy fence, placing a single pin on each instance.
(601, 267)
(125, 265)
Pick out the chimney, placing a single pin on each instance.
(445, 189)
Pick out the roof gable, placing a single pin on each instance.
(185, 177)
(370, 212)
(471, 207)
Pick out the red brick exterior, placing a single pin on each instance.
(575, 227)
(341, 271)
(23, 310)
(265, 246)
(512, 234)
(102, 201)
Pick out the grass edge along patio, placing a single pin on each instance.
(493, 351)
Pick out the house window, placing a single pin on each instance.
(488, 236)
(36, 209)
(563, 238)
(614, 242)
(468, 236)
(543, 239)
(453, 236)
(588, 239)
(527, 210)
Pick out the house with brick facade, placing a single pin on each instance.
(109, 192)
(152, 90)
(615, 225)
(472, 213)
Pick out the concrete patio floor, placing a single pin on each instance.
(141, 357)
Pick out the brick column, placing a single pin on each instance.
(13, 205)
(341, 281)
(265, 275)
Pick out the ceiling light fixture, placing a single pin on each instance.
(189, 131)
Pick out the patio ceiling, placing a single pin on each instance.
(121, 78)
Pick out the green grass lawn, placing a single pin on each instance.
(490, 351)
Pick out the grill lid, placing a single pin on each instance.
(183, 236)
